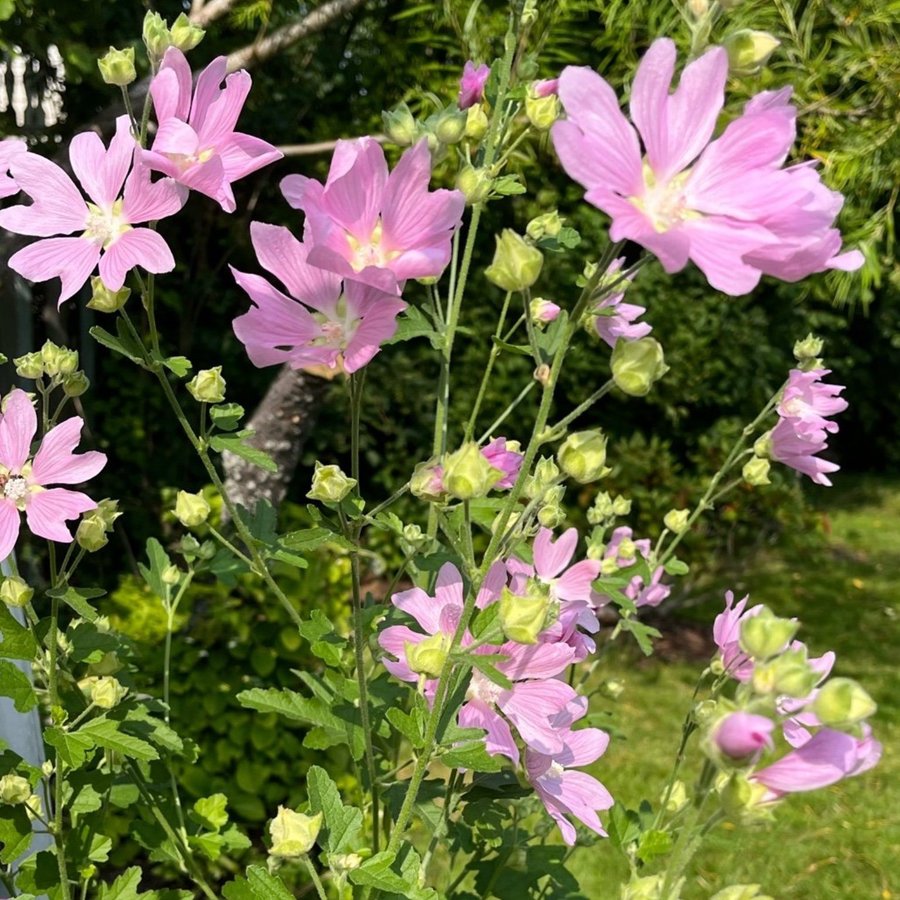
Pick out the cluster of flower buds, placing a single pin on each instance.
(58, 364)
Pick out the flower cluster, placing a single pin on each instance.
(623, 552)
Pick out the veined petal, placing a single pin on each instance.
(551, 557)
(102, 172)
(242, 154)
(10, 522)
(18, 426)
(353, 199)
(424, 609)
(148, 201)
(48, 511)
(649, 101)
(207, 91)
(498, 739)
(138, 247)
(71, 259)
(171, 88)
(58, 206)
(56, 463)
(222, 114)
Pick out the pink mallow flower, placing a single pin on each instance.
(615, 320)
(743, 736)
(375, 227)
(727, 204)
(501, 454)
(196, 143)
(24, 481)
(727, 635)
(567, 794)
(471, 85)
(108, 235)
(10, 148)
(545, 87)
(324, 321)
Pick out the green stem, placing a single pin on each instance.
(320, 888)
(508, 411)
(582, 407)
(229, 546)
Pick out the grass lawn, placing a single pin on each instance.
(843, 841)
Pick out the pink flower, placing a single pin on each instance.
(24, 480)
(375, 227)
(545, 87)
(650, 593)
(10, 148)
(743, 735)
(322, 322)
(551, 568)
(727, 635)
(565, 793)
(826, 758)
(196, 143)
(726, 204)
(108, 235)
(471, 85)
(508, 461)
(614, 319)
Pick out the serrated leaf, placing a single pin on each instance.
(78, 599)
(15, 833)
(107, 733)
(123, 344)
(413, 323)
(410, 725)
(178, 365)
(473, 756)
(211, 812)
(159, 562)
(88, 644)
(341, 831)
(236, 443)
(642, 634)
(258, 884)
(73, 747)
(16, 685)
(226, 416)
(16, 641)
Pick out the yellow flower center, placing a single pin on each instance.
(371, 252)
(663, 202)
(105, 226)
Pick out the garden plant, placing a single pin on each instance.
(446, 711)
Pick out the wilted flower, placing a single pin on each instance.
(471, 85)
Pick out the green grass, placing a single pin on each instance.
(843, 841)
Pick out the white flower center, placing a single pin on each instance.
(105, 226)
(554, 770)
(371, 252)
(338, 327)
(483, 689)
(663, 201)
(16, 489)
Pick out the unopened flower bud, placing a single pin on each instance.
(67, 361)
(609, 566)
(109, 664)
(191, 509)
(677, 797)
(650, 887)
(636, 365)
(749, 51)
(551, 515)
(516, 264)
(612, 688)
(546, 472)
(582, 456)
(14, 789)
(676, 520)
(156, 35)
(741, 892)
(523, 618)
(788, 674)
(413, 533)
(428, 656)
(756, 471)
(543, 311)
(476, 122)
(117, 66)
(344, 862)
(621, 506)
(31, 365)
(450, 127)
(809, 348)
(15, 592)
(765, 634)
(105, 300)
(185, 35)
(704, 711)
(107, 692)
(91, 532)
(842, 702)
(51, 357)
(541, 112)
(108, 510)
(601, 510)
(171, 575)
(76, 384)
(208, 385)
(400, 126)
(698, 8)
(330, 484)
(468, 474)
(547, 225)
(426, 482)
(293, 834)
(475, 184)
(742, 736)
(741, 797)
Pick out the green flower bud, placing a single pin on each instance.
(602, 509)
(612, 688)
(582, 456)
(547, 225)
(608, 566)
(117, 66)
(677, 797)
(52, 356)
(741, 892)
(156, 35)
(475, 184)
(698, 8)
(765, 635)
(330, 484)
(31, 365)
(293, 834)
(546, 472)
(109, 664)
(676, 520)
(762, 446)
(108, 510)
(76, 384)
(467, 474)
(741, 798)
(14, 789)
(15, 592)
(809, 348)
(91, 532)
(842, 702)
(551, 515)
(105, 300)
(450, 127)
(621, 506)
(542, 112)
(107, 692)
(171, 575)
(413, 533)
(636, 365)
(425, 482)
(523, 618)
(650, 887)
(749, 51)
(516, 264)
(756, 471)
(476, 123)
(400, 126)
(428, 656)
(787, 675)
(208, 385)
(185, 35)
(191, 509)
(68, 361)
(705, 710)
(542, 311)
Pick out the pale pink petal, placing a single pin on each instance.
(171, 88)
(533, 661)
(58, 206)
(176, 138)
(71, 259)
(222, 115)
(354, 198)
(550, 557)
(718, 247)
(242, 154)
(207, 91)
(498, 739)
(492, 586)
(138, 247)
(47, 512)
(825, 759)
(55, 462)
(9, 149)
(300, 191)
(18, 427)
(575, 583)
(103, 172)
(148, 201)
(10, 523)
(448, 589)
(424, 609)
(650, 99)
(378, 326)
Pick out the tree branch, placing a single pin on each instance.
(203, 14)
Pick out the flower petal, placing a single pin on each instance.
(55, 462)
(47, 512)
(18, 427)
(71, 259)
(138, 247)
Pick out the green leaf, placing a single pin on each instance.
(642, 633)
(308, 539)
(159, 562)
(677, 567)
(654, 843)
(324, 643)
(123, 344)
(107, 733)
(17, 641)
(507, 185)
(410, 725)
(341, 831)
(77, 599)
(211, 812)
(415, 324)
(16, 685)
(258, 885)
(487, 666)
(125, 887)
(72, 746)
(15, 833)
(143, 724)
(226, 416)
(236, 443)
(179, 365)
(472, 756)
(376, 872)
(88, 644)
